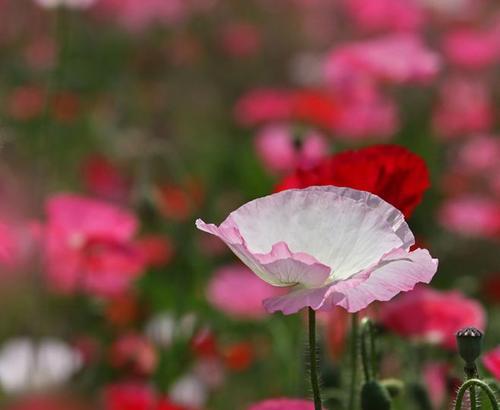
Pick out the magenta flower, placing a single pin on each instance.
(247, 302)
(88, 246)
(283, 404)
(331, 246)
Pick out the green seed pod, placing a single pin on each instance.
(394, 387)
(374, 396)
(469, 342)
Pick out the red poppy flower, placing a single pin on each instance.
(389, 171)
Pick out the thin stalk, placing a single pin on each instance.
(471, 383)
(313, 360)
(354, 361)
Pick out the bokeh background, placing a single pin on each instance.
(168, 110)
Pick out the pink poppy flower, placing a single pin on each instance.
(397, 58)
(432, 316)
(471, 216)
(247, 302)
(464, 107)
(283, 404)
(471, 49)
(385, 15)
(332, 246)
(279, 151)
(491, 361)
(88, 246)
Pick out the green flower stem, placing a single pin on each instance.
(471, 384)
(368, 354)
(313, 360)
(354, 361)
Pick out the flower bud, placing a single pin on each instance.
(374, 396)
(469, 342)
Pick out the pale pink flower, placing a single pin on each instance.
(89, 246)
(471, 49)
(385, 15)
(432, 316)
(464, 107)
(331, 246)
(396, 58)
(471, 216)
(283, 404)
(280, 151)
(247, 302)
(491, 361)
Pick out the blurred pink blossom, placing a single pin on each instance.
(89, 246)
(279, 151)
(283, 404)
(247, 303)
(479, 154)
(464, 107)
(491, 361)
(471, 49)
(272, 236)
(129, 396)
(435, 376)
(386, 15)
(366, 114)
(471, 216)
(396, 58)
(431, 316)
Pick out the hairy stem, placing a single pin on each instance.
(354, 361)
(471, 384)
(313, 360)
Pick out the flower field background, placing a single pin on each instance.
(124, 121)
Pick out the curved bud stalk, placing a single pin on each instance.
(469, 342)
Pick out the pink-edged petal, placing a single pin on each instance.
(279, 267)
(342, 228)
(398, 272)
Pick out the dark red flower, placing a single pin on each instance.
(389, 171)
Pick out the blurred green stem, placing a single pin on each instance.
(471, 384)
(368, 354)
(313, 360)
(354, 361)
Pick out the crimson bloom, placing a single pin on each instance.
(432, 316)
(390, 171)
(89, 246)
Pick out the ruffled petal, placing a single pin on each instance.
(398, 272)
